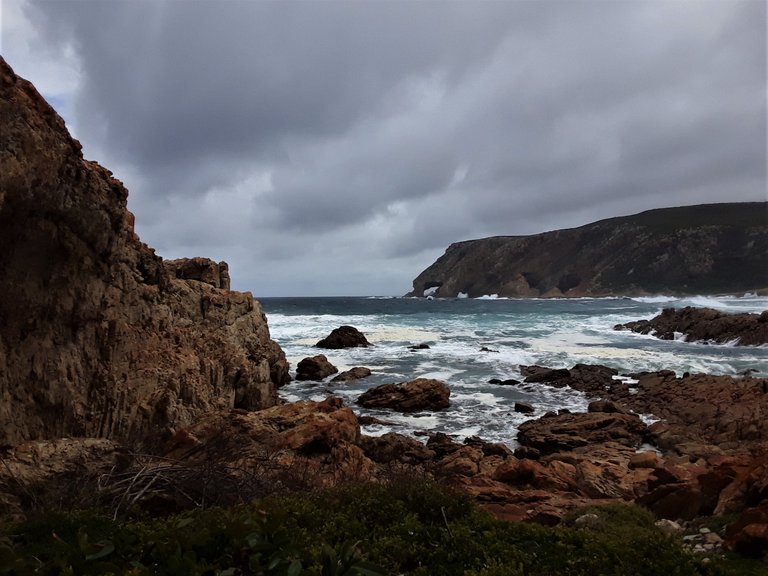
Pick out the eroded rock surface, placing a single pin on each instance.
(704, 324)
(413, 396)
(315, 368)
(356, 373)
(568, 431)
(98, 336)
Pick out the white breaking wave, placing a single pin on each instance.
(556, 333)
(654, 299)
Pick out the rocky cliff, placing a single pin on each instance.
(98, 336)
(705, 249)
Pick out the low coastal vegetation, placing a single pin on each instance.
(406, 526)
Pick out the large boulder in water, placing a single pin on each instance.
(315, 368)
(344, 337)
(413, 396)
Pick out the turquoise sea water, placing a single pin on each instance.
(554, 333)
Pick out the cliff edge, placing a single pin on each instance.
(99, 336)
(704, 249)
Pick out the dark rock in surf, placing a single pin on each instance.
(507, 382)
(355, 373)
(524, 408)
(421, 346)
(344, 337)
(704, 325)
(534, 374)
(315, 368)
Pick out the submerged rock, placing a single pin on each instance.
(422, 346)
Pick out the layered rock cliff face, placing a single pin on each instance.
(98, 336)
(711, 248)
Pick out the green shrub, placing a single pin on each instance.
(404, 527)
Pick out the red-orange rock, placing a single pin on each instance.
(393, 447)
(648, 459)
(679, 501)
(201, 269)
(568, 431)
(749, 534)
(413, 396)
(97, 337)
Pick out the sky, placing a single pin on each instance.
(338, 148)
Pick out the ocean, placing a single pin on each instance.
(556, 333)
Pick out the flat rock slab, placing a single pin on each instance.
(412, 396)
(568, 431)
(355, 373)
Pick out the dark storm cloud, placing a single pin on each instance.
(316, 137)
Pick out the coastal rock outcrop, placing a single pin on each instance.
(303, 427)
(413, 396)
(568, 431)
(315, 368)
(705, 249)
(704, 324)
(344, 337)
(202, 269)
(356, 373)
(98, 336)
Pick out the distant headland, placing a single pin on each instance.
(703, 249)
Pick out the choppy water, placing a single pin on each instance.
(554, 333)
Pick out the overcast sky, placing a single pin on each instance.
(337, 148)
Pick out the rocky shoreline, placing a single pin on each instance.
(704, 325)
(707, 456)
(150, 382)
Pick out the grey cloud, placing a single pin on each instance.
(312, 137)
